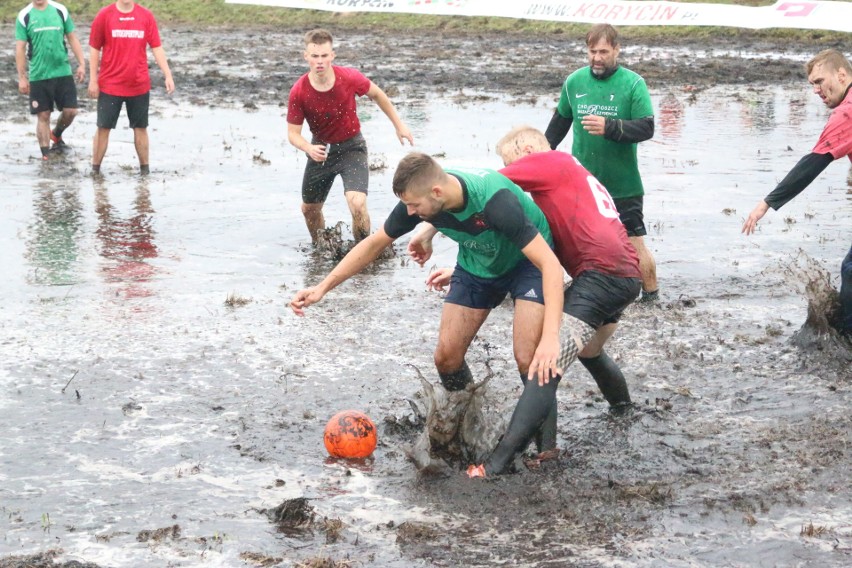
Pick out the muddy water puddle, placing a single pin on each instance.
(158, 398)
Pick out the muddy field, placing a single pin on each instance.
(162, 407)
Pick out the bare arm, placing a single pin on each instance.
(381, 99)
(547, 354)
(163, 64)
(354, 262)
(316, 152)
(94, 62)
(21, 64)
(77, 50)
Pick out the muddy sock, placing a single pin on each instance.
(96, 168)
(652, 296)
(457, 380)
(609, 377)
(144, 169)
(45, 150)
(545, 436)
(58, 130)
(533, 408)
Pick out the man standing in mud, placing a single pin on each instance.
(40, 33)
(504, 248)
(830, 73)
(325, 97)
(611, 111)
(118, 63)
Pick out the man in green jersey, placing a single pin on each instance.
(610, 109)
(504, 248)
(40, 32)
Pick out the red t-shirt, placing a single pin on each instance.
(836, 137)
(123, 40)
(587, 232)
(331, 114)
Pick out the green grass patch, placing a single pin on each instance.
(215, 13)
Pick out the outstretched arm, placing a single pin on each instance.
(163, 64)
(381, 99)
(359, 257)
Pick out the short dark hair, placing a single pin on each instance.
(830, 57)
(318, 36)
(416, 172)
(602, 31)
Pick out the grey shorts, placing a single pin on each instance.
(347, 159)
(597, 299)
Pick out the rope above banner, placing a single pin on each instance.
(818, 15)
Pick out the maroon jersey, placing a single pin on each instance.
(836, 137)
(587, 233)
(123, 40)
(331, 114)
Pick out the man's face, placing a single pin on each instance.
(829, 85)
(40, 4)
(602, 56)
(422, 204)
(319, 57)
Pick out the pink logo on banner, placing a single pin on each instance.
(796, 9)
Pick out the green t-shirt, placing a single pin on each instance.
(623, 95)
(45, 31)
(498, 220)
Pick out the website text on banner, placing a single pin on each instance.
(836, 16)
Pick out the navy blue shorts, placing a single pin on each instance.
(347, 160)
(597, 299)
(630, 213)
(523, 283)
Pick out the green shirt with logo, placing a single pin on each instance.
(623, 95)
(45, 31)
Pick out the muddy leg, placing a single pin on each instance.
(647, 267)
(609, 378)
(846, 293)
(357, 202)
(314, 219)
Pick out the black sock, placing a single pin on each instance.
(45, 150)
(57, 131)
(533, 408)
(144, 169)
(545, 436)
(609, 377)
(458, 379)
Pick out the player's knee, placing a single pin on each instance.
(448, 360)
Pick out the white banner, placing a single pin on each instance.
(783, 14)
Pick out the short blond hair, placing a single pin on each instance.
(832, 59)
(515, 140)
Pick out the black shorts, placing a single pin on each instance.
(60, 91)
(109, 107)
(630, 212)
(523, 283)
(597, 299)
(347, 159)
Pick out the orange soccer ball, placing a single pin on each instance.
(350, 434)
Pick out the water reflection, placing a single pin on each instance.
(671, 117)
(53, 248)
(757, 112)
(126, 243)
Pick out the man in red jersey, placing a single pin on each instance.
(830, 73)
(118, 63)
(592, 245)
(325, 97)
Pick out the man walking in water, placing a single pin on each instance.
(40, 33)
(325, 97)
(830, 73)
(610, 109)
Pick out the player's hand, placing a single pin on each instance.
(80, 75)
(594, 124)
(317, 152)
(93, 89)
(403, 134)
(305, 298)
(24, 86)
(420, 250)
(756, 215)
(545, 360)
(439, 279)
(170, 85)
